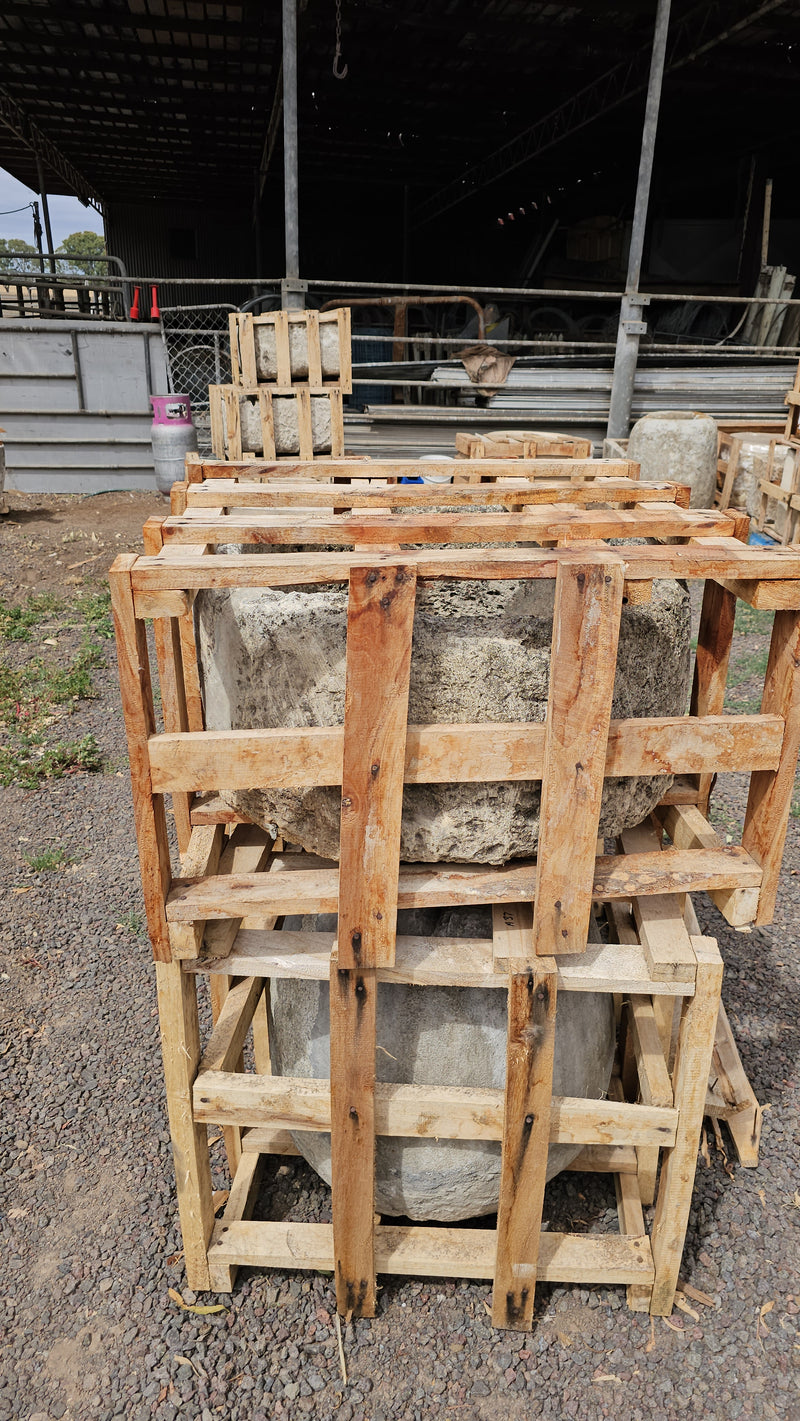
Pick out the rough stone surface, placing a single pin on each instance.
(267, 361)
(680, 445)
(447, 1036)
(284, 416)
(481, 653)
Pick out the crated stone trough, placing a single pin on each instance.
(481, 653)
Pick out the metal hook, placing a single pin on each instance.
(336, 62)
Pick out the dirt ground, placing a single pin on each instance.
(54, 542)
(89, 1239)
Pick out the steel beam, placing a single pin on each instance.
(18, 121)
(694, 34)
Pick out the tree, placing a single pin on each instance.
(77, 247)
(18, 256)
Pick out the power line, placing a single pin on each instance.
(28, 206)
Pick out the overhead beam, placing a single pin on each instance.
(18, 121)
(697, 32)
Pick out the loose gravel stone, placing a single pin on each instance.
(88, 1190)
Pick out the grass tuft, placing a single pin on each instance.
(47, 860)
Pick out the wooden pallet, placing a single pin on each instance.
(256, 421)
(311, 349)
(539, 945)
(779, 510)
(522, 444)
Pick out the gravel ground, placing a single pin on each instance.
(90, 1244)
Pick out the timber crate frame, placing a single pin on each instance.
(243, 326)
(226, 420)
(194, 920)
(522, 444)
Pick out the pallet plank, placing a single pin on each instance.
(769, 800)
(690, 1082)
(586, 619)
(307, 756)
(380, 620)
(419, 1251)
(527, 1114)
(353, 1006)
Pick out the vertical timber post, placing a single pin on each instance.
(631, 326)
(292, 290)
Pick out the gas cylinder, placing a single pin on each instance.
(173, 436)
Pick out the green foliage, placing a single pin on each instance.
(750, 621)
(27, 761)
(77, 247)
(17, 622)
(131, 922)
(95, 609)
(48, 859)
(18, 256)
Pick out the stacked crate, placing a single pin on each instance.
(290, 370)
(666, 973)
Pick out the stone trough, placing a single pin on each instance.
(481, 653)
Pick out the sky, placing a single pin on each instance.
(67, 214)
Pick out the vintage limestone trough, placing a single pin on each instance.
(481, 653)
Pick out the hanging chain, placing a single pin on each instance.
(339, 70)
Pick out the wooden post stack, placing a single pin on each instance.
(290, 370)
(216, 918)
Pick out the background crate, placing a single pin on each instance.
(260, 422)
(285, 349)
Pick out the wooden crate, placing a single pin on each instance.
(539, 944)
(246, 422)
(779, 509)
(285, 349)
(522, 444)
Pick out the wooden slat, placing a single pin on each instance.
(283, 360)
(230, 1031)
(222, 1096)
(201, 858)
(307, 756)
(248, 850)
(304, 428)
(180, 1046)
(631, 1222)
(718, 557)
(512, 935)
(527, 1117)
(241, 1203)
(353, 1005)
(659, 918)
(744, 1120)
(317, 890)
(690, 1080)
(289, 493)
(714, 640)
(765, 596)
(586, 618)
(351, 468)
(267, 421)
(770, 797)
(412, 526)
(689, 829)
(313, 349)
(137, 707)
(434, 962)
(418, 1251)
(380, 621)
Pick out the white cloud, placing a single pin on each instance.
(67, 214)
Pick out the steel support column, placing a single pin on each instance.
(292, 289)
(631, 325)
